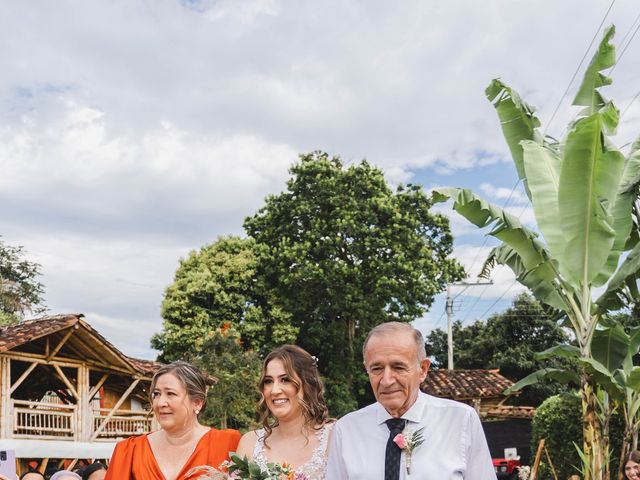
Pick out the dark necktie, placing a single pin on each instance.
(392, 453)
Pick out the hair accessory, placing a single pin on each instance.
(314, 361)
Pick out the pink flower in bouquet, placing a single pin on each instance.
(400, 440)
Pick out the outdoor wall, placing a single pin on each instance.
(514, 433)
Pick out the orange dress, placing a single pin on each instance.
(133, 459)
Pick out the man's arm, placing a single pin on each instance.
(336, 469)
(479, 464)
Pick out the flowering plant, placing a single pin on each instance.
(244, 469)
(408, 441)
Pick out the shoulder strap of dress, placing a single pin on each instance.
(259, 445)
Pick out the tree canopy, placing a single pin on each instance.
(343, 252)
(216, 285)
(20, 291)
(509, 341)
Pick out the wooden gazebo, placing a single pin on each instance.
(66, 393)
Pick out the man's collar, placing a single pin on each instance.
(414, 414)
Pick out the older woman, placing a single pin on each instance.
(178, 395)
(295, 420)
(632, 466)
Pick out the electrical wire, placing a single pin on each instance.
(575, 73)
(498, 299)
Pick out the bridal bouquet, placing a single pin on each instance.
(243, 469)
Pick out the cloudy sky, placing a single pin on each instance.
(133, 131)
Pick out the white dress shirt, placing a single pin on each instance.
(454, 446)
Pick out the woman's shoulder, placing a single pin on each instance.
(248, 443)
(133, 442)
(223, 435)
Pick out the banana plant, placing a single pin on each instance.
(612, 368)
(583, 191)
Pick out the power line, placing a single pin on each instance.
(624, 49)
(499, 298)
(575, 73)
(630, 103)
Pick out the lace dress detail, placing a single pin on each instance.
(315, 468)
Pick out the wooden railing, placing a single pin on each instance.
(43, 420)
(124, 423)
(59, 421)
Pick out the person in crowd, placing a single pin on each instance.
(178, 395)
(294, 416)
(32, 476)
(65, 475)
(632, 466)
(406, 431)
(93, 471)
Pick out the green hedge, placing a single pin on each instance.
(559, 421)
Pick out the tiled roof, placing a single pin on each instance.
(465, 384)
(24, 332)
(15, 335)
(147, 367)
(510, 411)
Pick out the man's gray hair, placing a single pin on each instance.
(389, 328)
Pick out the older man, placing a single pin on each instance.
(448, 441)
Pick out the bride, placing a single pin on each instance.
(295, 419)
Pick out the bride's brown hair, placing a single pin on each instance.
(302, 370)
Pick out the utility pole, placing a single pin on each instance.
(449, 310)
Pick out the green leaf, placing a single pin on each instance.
(586, 184)
(633, 379)
(613, 297)
(560, 351)
(517, 120)
(542, 167)
(610, 347)
(604, 58)
(539, 279)
(564, 376)
(622, 214)
(603, 377)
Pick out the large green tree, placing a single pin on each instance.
(20, 291)
(232, 401)
(509, 341)
(344, 252)
(214, 285)
(583, 191)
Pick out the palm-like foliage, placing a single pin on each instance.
(582, 190)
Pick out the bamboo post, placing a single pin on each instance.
(5, 398)
(43, 465)
(536, 463)
(85, 416)
(553, 470)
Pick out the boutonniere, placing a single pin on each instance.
(407, 441)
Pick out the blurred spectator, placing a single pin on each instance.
(94, 471)
(65, 475)
(32, 476)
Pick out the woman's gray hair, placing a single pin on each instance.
(191, 378)
(389, 328)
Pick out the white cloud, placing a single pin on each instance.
(133, 131)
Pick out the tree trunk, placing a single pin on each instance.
(592, 433)
(351, 334)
